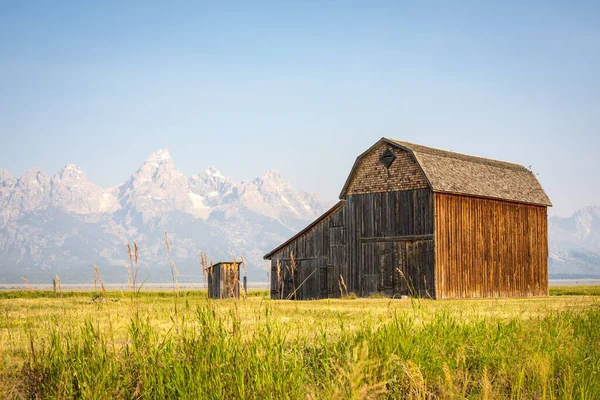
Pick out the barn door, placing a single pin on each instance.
(385, 266)
(378, 268)
(309, 283)
(324, 273)
(401, 275)
(369, 277)
(415, 259)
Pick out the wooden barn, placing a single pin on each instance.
(223, 280)
(414, 220)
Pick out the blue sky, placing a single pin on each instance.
(302, 87)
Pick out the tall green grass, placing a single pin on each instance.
(211, 352)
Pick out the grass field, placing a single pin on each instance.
(157, 345)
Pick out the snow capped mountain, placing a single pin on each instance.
(575, 243)
(7, 183)
(31, 191)
(290, 205)
(156, 188)
(70, 189)
(208, 190)
(66, 223)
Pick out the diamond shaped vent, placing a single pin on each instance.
(387, 158)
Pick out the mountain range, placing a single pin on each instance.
(574, 244)
(64, 223)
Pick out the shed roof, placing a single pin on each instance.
(450, 172)
(224, 263)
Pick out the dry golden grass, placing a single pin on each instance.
(28, 322)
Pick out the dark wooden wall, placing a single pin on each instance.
(375, 242)
(390, 243)
(489, 248)
(320, 257)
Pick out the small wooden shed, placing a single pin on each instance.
(415, 220)
(224, 280)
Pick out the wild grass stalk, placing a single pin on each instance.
(58, 287)
(174, 271)
(129, 268)
(133, 269)
(206, 271)
(27, 284)
(98, 278)
(234, 288)
(343, 287)
(279, 280)
(244, 287)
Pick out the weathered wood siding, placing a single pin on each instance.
(489, 248)
(223, 281)
(390, 243)
(320, 256)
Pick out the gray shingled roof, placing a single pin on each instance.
(451, 172)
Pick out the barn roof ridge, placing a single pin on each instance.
(459, 156)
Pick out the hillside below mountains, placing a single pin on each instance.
(64, 223)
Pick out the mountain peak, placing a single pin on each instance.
(160, 155)
(271, 181)
(5, 175)
(33, 174)
(70, 171)
(72, 167)
(271, 175)
(214, 172)
(158, 162)
(6, 180)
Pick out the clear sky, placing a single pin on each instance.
(302, 87)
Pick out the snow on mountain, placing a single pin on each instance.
(70, 189)
(28, 193)
(574, 244)
(155, 188)
(289, 204)
(7, 183)
(211, 185)
(66, 223)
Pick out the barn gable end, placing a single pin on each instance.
(370, 174)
